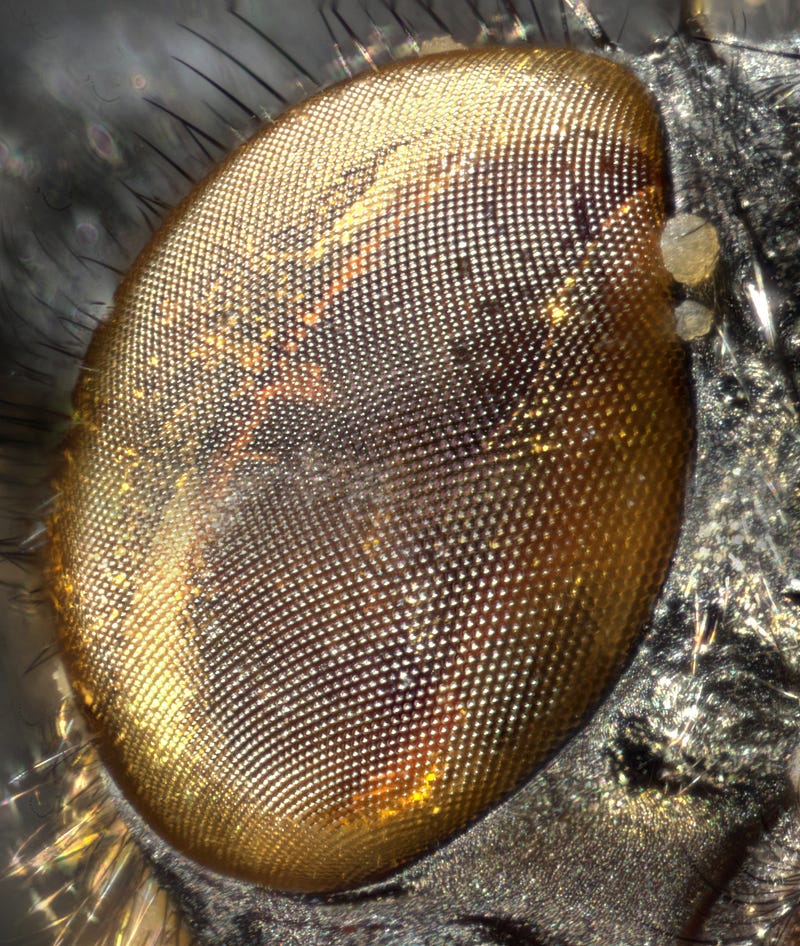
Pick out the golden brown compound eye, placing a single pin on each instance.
(377, 465)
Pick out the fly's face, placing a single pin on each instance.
(395, 605)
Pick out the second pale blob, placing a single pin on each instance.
(377, 466)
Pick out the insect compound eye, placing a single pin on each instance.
(377, 466)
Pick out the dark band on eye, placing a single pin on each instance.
(377, 467)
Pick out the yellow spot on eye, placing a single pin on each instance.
(84, 693)
(414, 799)
(539, 447)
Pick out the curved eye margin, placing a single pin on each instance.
(619, 750)
(688, 754)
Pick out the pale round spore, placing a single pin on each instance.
(691, 249)
(693, 320)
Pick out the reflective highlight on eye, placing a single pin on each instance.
(377, 467)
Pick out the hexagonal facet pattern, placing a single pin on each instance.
(377, 466)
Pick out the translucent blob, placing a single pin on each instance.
(693, 320)
(691, 249)
(377, 466)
